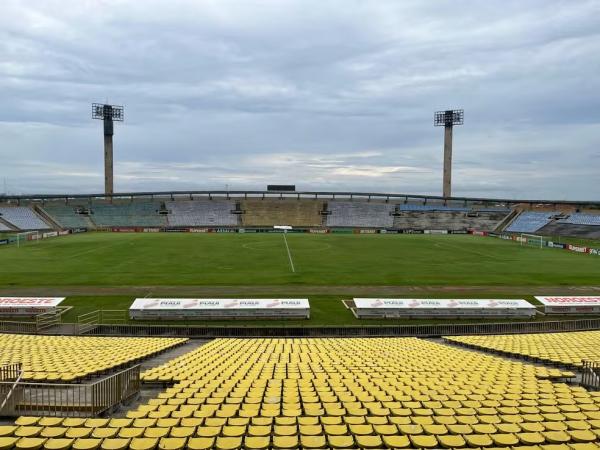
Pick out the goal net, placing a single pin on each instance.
(27, 236)
(532, 240)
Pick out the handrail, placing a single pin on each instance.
(13, 373)
(10, 372)
(213, 331)
(70, 400)
(348, 331)
(590, 375)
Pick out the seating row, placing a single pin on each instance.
(69, 358)
(561, 348)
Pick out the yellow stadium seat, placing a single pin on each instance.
(365, 441)
(313, 441)
(285, 441)
(582, 435)
(396, 441)
(30, 443)
(78, 432)
(50, 421)
(533, 438)
(27, 431)
(256, 442)
(114, 444)
(340, 441)
(504, 439)
(104, 433)
(172, 443)
(7, 430)
(451, 441)
(478, 440)
(58, 444)
(6, 443)
(204, 443)
(556, 437)
(228, 443)
(27, 421)
(143, 443)
(86, 444)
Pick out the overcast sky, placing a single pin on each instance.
(327, 95)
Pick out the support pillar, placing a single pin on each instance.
(447, 188)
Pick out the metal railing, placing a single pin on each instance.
(88, 321)
(10, 372)
(46, 321)
(349, 331)
(590, 375)
(212, 331)
(70, 400)
(19, 327)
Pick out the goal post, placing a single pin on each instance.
(27, 236)
(532, 240)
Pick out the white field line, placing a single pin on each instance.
(289, 254)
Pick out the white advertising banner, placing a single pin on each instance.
(570, 305)
(28, 306)
(413, 307)
(203, 308)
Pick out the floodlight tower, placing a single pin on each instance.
(108, 113)
(448, 119)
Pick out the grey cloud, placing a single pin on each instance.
(246, 92)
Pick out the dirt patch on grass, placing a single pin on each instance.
(209, 291)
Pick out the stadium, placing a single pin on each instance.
(278, 316)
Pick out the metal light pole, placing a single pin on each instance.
(448, 119)
(108, 114)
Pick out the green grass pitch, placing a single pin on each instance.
(106, 268)
(180, 259)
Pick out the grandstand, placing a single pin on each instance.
(297, 213)
(201, 213)
(557, 228)
(335, 393)
(69, 216)
(141, 213)
(530, 222)
(581, 219)
(22, 218)
(360, 214)
(305, 210)
(447, 220)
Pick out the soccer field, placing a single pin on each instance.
(190, 259)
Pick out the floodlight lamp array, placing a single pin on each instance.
(103, 112)
(449, 117)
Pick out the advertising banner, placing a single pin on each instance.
(556, 245)
(570, 305)
(207, 308)
(28, 306)
(577, 248)
(415, 307)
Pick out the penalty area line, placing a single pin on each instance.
(289, 253)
